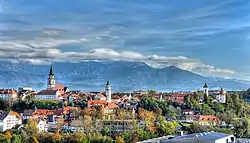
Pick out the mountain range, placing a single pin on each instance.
(123, 76)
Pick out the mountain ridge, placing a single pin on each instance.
(124, 76)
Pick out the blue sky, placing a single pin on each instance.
(209, 37)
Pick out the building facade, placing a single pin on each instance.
(8, 120)
(6, 94)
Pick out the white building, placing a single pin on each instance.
(108, 92)
(42, 125)
(206, 89)
(205, 137)
(49, 94)
(51, 79)
(221, 97)
(8, 120)
(6, 94)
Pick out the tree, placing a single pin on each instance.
(164, 128)
(119, 139)
(120, 114)
(206, 110)
(31, 128)
(241, 127)
(218, 108)
(4, 139)
(197, 128)
(16, 139)
(227, 117)
(206, 100)
(24, 136)
(8, 134)
(57, 136)
(33, 140)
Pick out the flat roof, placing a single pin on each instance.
(212, 136)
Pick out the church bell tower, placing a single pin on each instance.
(51, 79)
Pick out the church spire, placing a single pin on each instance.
(51, 70)
(107, 83)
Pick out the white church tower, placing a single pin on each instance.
(108, 92)
(205, 87)
(51, 79)
(222, 96)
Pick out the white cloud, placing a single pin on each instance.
(43, 51)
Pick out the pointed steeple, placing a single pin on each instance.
(205, 85)
(51, 70)
(107, 83)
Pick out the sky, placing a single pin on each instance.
(208, 37)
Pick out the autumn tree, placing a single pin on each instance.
(119, 139)
(31, 128)
(33, 140)
(120, 114)
(148, 117)
(8, 134)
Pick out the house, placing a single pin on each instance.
(99, 96)
(42, 113)
(48, 94)
(24, 93)
(190, 118)
(116, 99)
(118, 126)
(6, 94)
(108, 107)
(27, 114)
(60, 88)
(8, 120)
(187, 112)
(66, 89)
(208, 120)
(42, 125)
(178, 98)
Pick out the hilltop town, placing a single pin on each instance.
(57, 114)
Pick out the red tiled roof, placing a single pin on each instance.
(59, 86)
(15, 114)
(208, 118)
(43, 112)
(102, 102)
(178, 95)
(111, 105)
(47, 92)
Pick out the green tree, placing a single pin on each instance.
(241, 127)
(227, 117)
(164, 128)
(206, 110)
(218, 108)
(24, 136)
(4, 139)
(197, 128)
(206, 100)
(16, 139)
